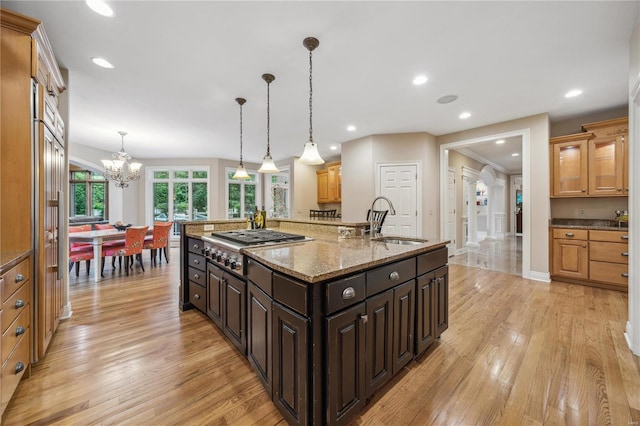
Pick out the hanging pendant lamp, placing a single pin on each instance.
(241, 172)
(268, 166)
(311, 155)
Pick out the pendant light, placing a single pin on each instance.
(268, 166)
(311, 155)
(241, 172)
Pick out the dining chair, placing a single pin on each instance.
(133, 242)
(378, 219)
(159, 240)
(108, 227)
(80, 251)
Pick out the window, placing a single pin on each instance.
(178, 194)
(88, 194)
(243, 196)
(278, 200)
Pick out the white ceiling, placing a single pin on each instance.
(179, 65)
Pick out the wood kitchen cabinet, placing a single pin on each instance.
(571, 253)
(403, 324)
(594, 163)
(329, 183)
(260, 335)
(441, 295)
(609, 257)
(379, 328)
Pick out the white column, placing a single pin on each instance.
(472, 213)
(491, 212)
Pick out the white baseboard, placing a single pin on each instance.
(66, 312)
(538, 276)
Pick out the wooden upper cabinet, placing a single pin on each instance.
(322, 177)
(570, 169)
(330, 183)
(608, 157)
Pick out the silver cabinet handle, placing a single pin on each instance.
(364, 318)
(196, 296)
(394, 276)
(624, 275)
(625, 237)
(196, 276)
(625, 254)
(569, 234)
(19, 303)
(196, 246)
(19, 277)
(348, 293)
(196, 261)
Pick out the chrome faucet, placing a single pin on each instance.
(373, 224)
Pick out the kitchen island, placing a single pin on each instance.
(324, 323)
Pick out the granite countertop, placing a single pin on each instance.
(327, 258)
(8, 259)
(595, 224)
(324, 221)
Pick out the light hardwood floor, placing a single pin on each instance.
(516, 352)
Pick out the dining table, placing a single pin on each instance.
(97, 238)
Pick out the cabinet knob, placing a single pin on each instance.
(19, 277)
(19, 303)
(196, 276)
(569, 234)
(19, 367)
(348, 293)
(196, 246)
(20, 330)
(196, 261)
(625, 254)
(584, 190)
(618, 189)
(364, 318)
(196, 296)
(394, 276)
(625, 237)
(584, 246)
(624, 275)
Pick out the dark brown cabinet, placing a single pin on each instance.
(290, 365)
(259, 335)
(379, 341)
(215, 287)
(441, 290)
(403, 324)
(425, 314)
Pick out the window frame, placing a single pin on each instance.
(89, 182)
(243, 182)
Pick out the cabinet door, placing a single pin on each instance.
(570, 169)
(625, 164)
(441, 296)
(233, 311)
(425, 315)
(290, 367)
(345, 352)
(379, 341)
(403, 322)
(570, 258)
(323, 186)
(606, 167)
(214, 294)
(259, 322)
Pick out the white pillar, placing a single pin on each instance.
(491, 212)
(472, 213)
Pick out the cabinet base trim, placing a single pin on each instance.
(590, 283)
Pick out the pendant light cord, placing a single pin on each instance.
(268, 118)
(241, 135)
(310, 99)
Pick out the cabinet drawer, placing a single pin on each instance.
(611, 273)
(611, 236)
(260, 275)
(385, 277)
(433, 260)
(345, 292)
(572, 234)
(14, 305)
(197, 276)
(197, 261)
(195, 245)
(15, 277)
(198, 296)
(609, 252)
(14, 333)
(14, 369)
(290, 293)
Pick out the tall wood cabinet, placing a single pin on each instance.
(329, 182)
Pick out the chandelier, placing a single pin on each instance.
(115, 169)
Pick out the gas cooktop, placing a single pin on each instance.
(256, 236)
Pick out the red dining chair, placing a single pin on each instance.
(133, 242)
(159, 240)
(80, 251)
(107, 227)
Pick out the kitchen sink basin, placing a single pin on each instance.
(399, 240)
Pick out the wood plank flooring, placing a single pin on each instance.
(516, 352)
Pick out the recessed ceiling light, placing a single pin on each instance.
(515, 154)
(500, 141)
(100, 7)
(573, 93)
(333, 147)
(351, 128)
(102, 62)
(419, 80)
(447, 99)
(465, 115)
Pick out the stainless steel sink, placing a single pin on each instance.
(399, 240)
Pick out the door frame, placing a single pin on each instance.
(513, 180)
(525, 134)
(451, 247)
(418, 166)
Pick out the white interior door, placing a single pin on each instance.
(452, 216)
(398, 182)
